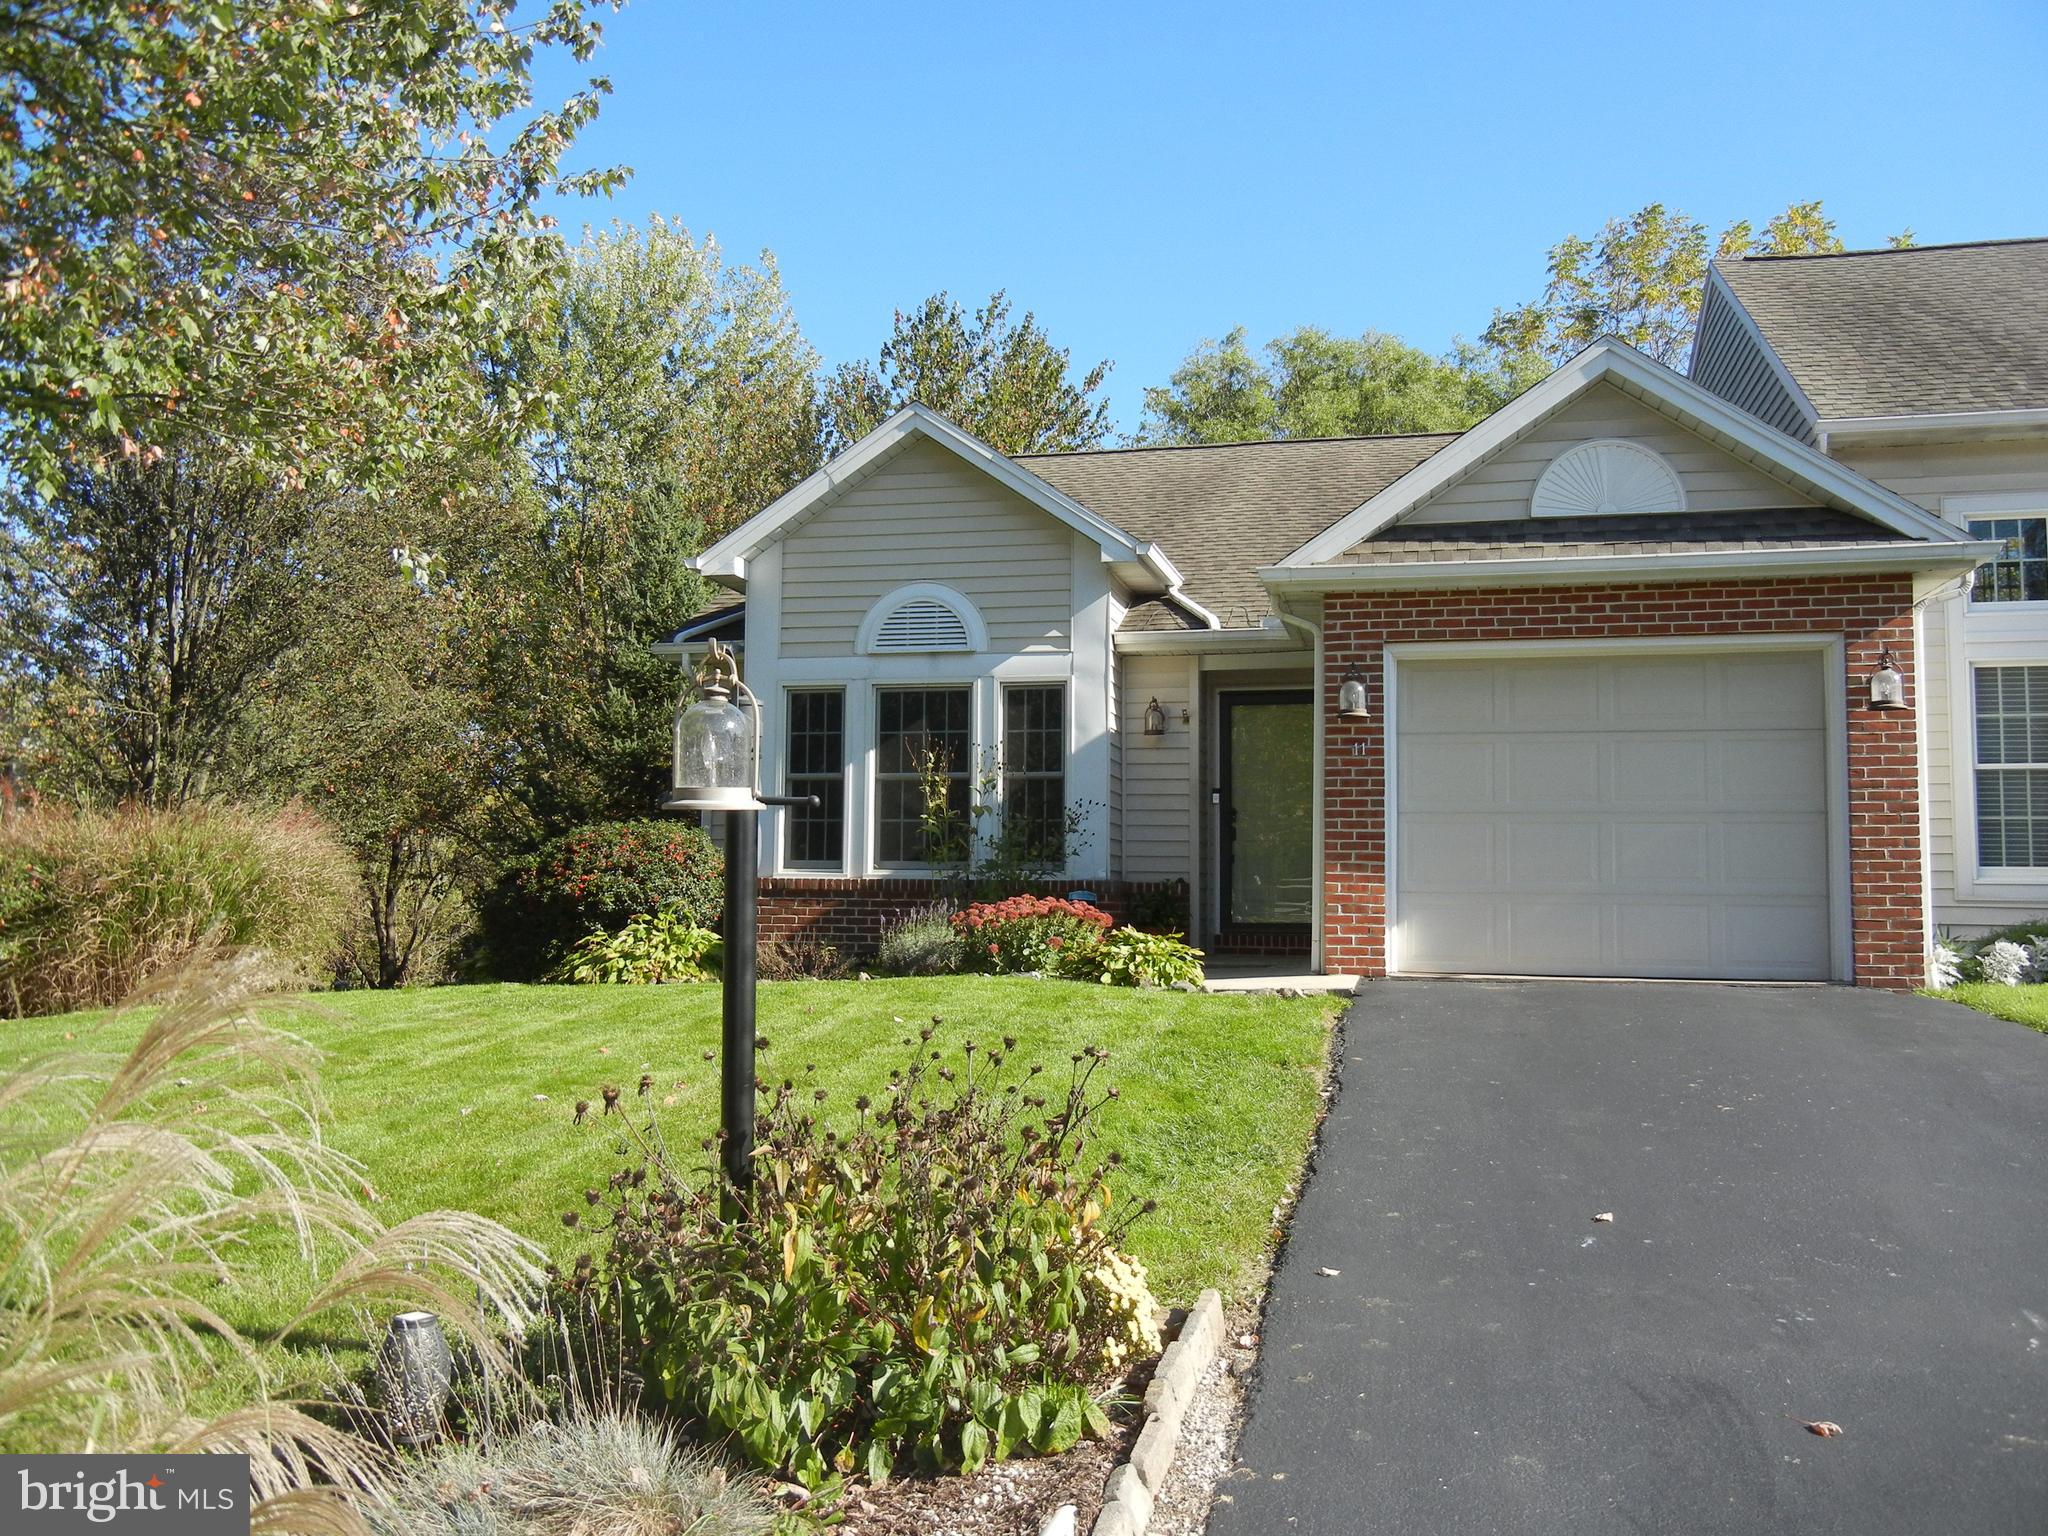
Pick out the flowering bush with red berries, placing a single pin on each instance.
(596, 878)
(1031, 933)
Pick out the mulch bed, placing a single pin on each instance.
(1006, 1498)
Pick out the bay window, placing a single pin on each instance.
(922, 734)
(816, 759)
(1034, 759)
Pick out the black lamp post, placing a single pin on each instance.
(717, 759)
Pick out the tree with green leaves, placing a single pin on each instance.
(681, 399)
(1640, 279)
(279, 225)
(1000, 379)
(145, 611)
(1314, 383)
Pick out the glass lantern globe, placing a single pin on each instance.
(1351, 697)
(714, 757)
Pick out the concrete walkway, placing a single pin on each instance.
(1828, 1205)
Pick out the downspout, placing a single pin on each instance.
(1315, 928)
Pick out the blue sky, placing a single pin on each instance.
(1143, 176)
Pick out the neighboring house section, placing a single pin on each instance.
(1927, 371)
(1595, 688)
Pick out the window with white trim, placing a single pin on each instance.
(1035, 770)
(815, 764)
(2019, 573)
(2012, 766)
(920, 733)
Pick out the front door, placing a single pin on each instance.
(1267, 833)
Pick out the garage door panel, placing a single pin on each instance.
(1448, 771)
(1784, 854)
(1644, 816)
(1654, 768)
(1651, 853)
(1547, 697)
(1781, 771)
(1770, 690)
(1567, 934)
(1669, 938)
(1550, 773)
(1448, 853)
(1567, 853)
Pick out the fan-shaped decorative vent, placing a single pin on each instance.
(1606, 478)
(922, 624)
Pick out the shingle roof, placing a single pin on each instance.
(1892, 333)
(1558, 538)
(1222, 512)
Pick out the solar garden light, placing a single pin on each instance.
(414, 1373)
(716, 767)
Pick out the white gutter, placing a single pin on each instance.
(1204, 642)
(1932, 423)
(1906, 554)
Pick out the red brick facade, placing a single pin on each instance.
(850, 914)
(1868, 612)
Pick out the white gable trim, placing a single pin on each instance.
(1608, 359)
(728, 557)
(1718, 284)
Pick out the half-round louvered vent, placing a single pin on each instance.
(1606, 478)
(922, 624)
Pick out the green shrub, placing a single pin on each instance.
(1130, 957)
(1030, 933)
(595, 878)
(654, 946)
(936, 1281)
(94, 902)
(1162, 911)
(921, 943)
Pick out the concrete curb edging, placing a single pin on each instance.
(1134, 1484)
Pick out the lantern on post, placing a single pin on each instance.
(717, 756)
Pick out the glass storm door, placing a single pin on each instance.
(1268, 781)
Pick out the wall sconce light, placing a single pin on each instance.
(1351, 697)
(1155, 719)
(1887, 686)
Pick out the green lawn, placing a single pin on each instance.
(464, 1096)
(2022, 1005)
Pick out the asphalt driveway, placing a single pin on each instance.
(1828, 1205)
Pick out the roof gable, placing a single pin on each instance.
(1140, 562)
(1925, 330)
(1811, 474)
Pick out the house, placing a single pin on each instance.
(1926, 370)
(1630, 679)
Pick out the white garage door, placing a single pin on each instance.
(1620, 816)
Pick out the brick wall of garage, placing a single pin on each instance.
(1870, 613)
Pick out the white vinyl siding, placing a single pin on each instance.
(1642, 815)
(1714, 479)
(1158, 788)
(924, 516)
(1728, 360)
(1952, 637)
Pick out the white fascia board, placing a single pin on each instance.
(1718, 284)
(1908, 555)
(728, 557)
(1609, 359)
(1205, 642)
(1927, 423)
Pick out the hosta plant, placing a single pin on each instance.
(1130, 957)
(1045, 934)
(936, 1279)
(655, 946)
